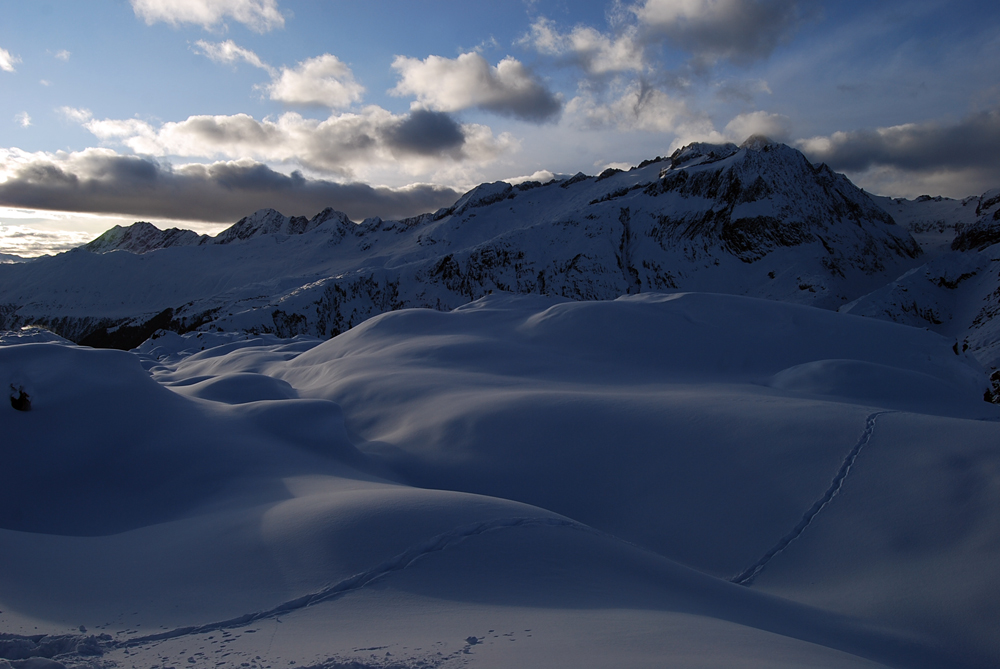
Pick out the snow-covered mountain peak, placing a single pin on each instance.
(262, 222)
(757, 142)
(767, 195)
(481, 196)
(698, 153)
(142, 237)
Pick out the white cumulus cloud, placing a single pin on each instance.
(469, 81)
(63, 55)
(8, 61)
(323, 81)
(23, 119)
(258, 15)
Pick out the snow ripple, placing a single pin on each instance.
(747, 576)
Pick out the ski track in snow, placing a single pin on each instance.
(358, 581)
(747, 576)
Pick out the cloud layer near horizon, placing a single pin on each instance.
(925, 154)
(102, 181)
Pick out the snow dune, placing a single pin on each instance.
(523, 481)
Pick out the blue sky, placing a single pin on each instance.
(195, 112)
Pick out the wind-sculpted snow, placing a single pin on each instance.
(523, 481)
(756, 220)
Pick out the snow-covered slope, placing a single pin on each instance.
(956, 293)
(680, 480)
(755, 220)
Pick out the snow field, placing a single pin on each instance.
(589, 474)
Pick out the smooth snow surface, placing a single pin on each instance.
(521, 482)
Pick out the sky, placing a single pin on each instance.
(194, 113)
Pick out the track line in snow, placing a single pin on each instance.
(747, 576)
(353, 583)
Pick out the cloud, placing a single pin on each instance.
(744, 91)
(229, 53)
(343, 144)
(8, 61)
(636, 107)
(23, 119)
(75, 114)
(775, 126)
(102, 181)
(28, 242)
(972, 142)
(322, 81)
(63, 55)
(741, 31)
(595, 52)
(426, 133)
(960, 157)
(258, 15)
(542, 176)
(469, 81)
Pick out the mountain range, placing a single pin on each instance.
(757, 219)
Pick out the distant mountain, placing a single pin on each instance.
(933, 221)
(756, 219)
(957, 292)
(271, 222)
(142, 237)
(985, 230)
(11, 258)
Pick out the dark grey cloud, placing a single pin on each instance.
(426, 133)
(973, 142)
(536, 104)
(224, 192)
(740, 31)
